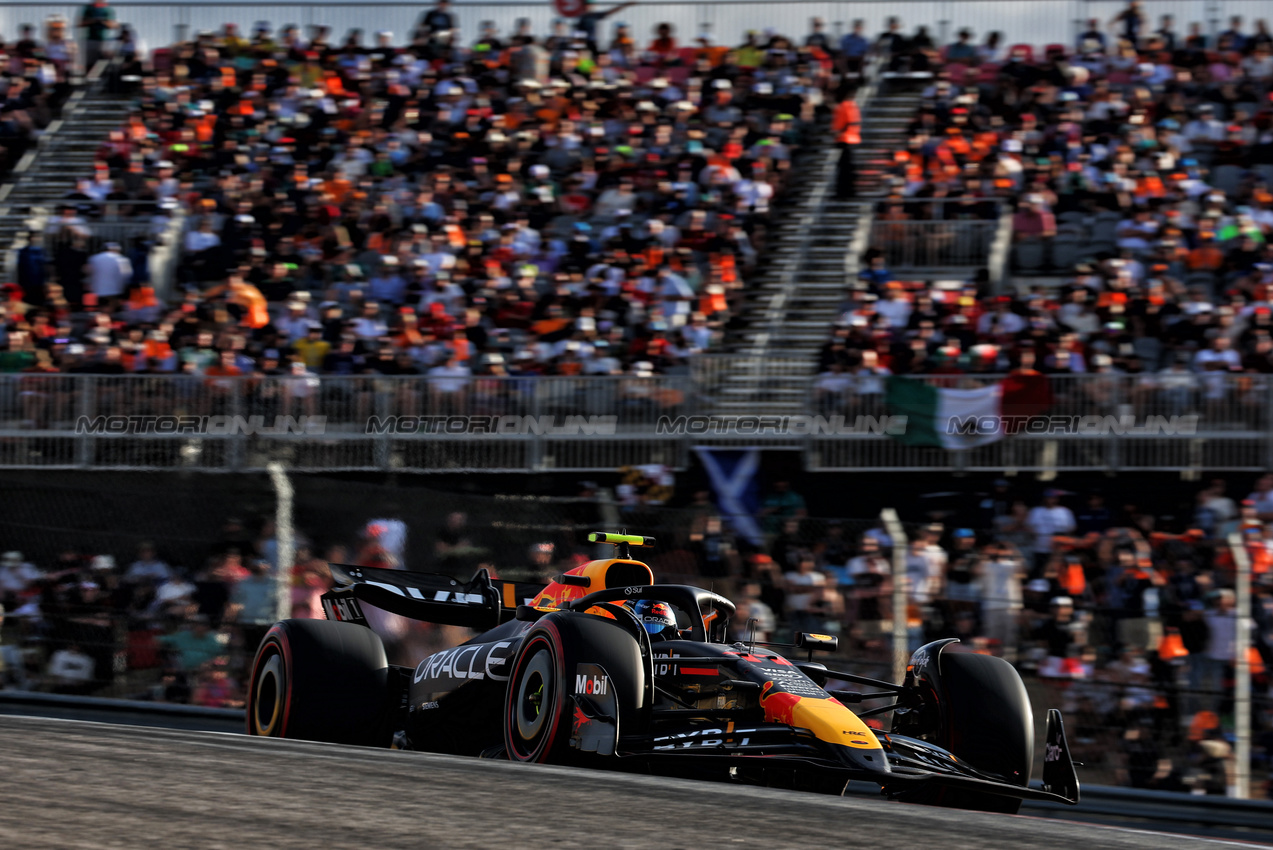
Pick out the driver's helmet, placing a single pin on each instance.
(657, 617)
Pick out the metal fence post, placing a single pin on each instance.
(1114, 448)
(382, 404)
(535, 451)
(1268, 426)
(238, 437)
(84, 446)
(283, 538)
(901, 651)
(1241, 671)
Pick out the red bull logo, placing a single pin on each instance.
(779, 707)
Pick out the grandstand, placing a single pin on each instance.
(656, 222)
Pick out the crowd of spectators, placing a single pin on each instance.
(575, 205)
(1137, 164)
(89, 623)
(515, 204)
(35, 80)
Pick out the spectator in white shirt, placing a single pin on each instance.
(369, 325)
(1207, 672)
(935, 558)
(1261, 497)
(1223, 510)
(201, 238)
(1220, 357)
(1002, 320)
(895, 307)
(109, 272)
(918, 579)
(295, 325)
(1077, 314)
(675, 293)
(601, 362)
(439, 257)
(1204, 131)
(168, 186)
(1001, 574)
(869, 374)
(101, 186)
(1045, 522)
(754, 194)
(300, 389)
(1214, 363)
(697, 335)
(1259, 65)
(449, 379)
(616, 198)
(526, 239)
(805, 597)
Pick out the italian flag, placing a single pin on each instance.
(965, 419)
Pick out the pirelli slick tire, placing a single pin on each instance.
(988, 724)
(535, 729)
(538, 704)
(320, 680)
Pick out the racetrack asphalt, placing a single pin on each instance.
(76, 784)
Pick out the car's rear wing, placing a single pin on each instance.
(479, 603)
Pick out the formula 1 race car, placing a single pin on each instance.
(605, 668)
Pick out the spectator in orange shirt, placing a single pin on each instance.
(1207, 256)
(223, 368)
(663, 48)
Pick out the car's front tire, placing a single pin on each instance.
(536, 698)
(320, 680)
(539, 703)
(987, 723)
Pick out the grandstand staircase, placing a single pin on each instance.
(791, 306)
(65, 154)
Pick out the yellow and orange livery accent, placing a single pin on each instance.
(827, 718)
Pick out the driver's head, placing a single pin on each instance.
(657, 617)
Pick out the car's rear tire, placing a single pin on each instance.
(320, 680)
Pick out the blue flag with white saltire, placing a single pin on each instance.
(737, 487)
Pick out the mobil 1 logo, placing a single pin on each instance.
(591, 680)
